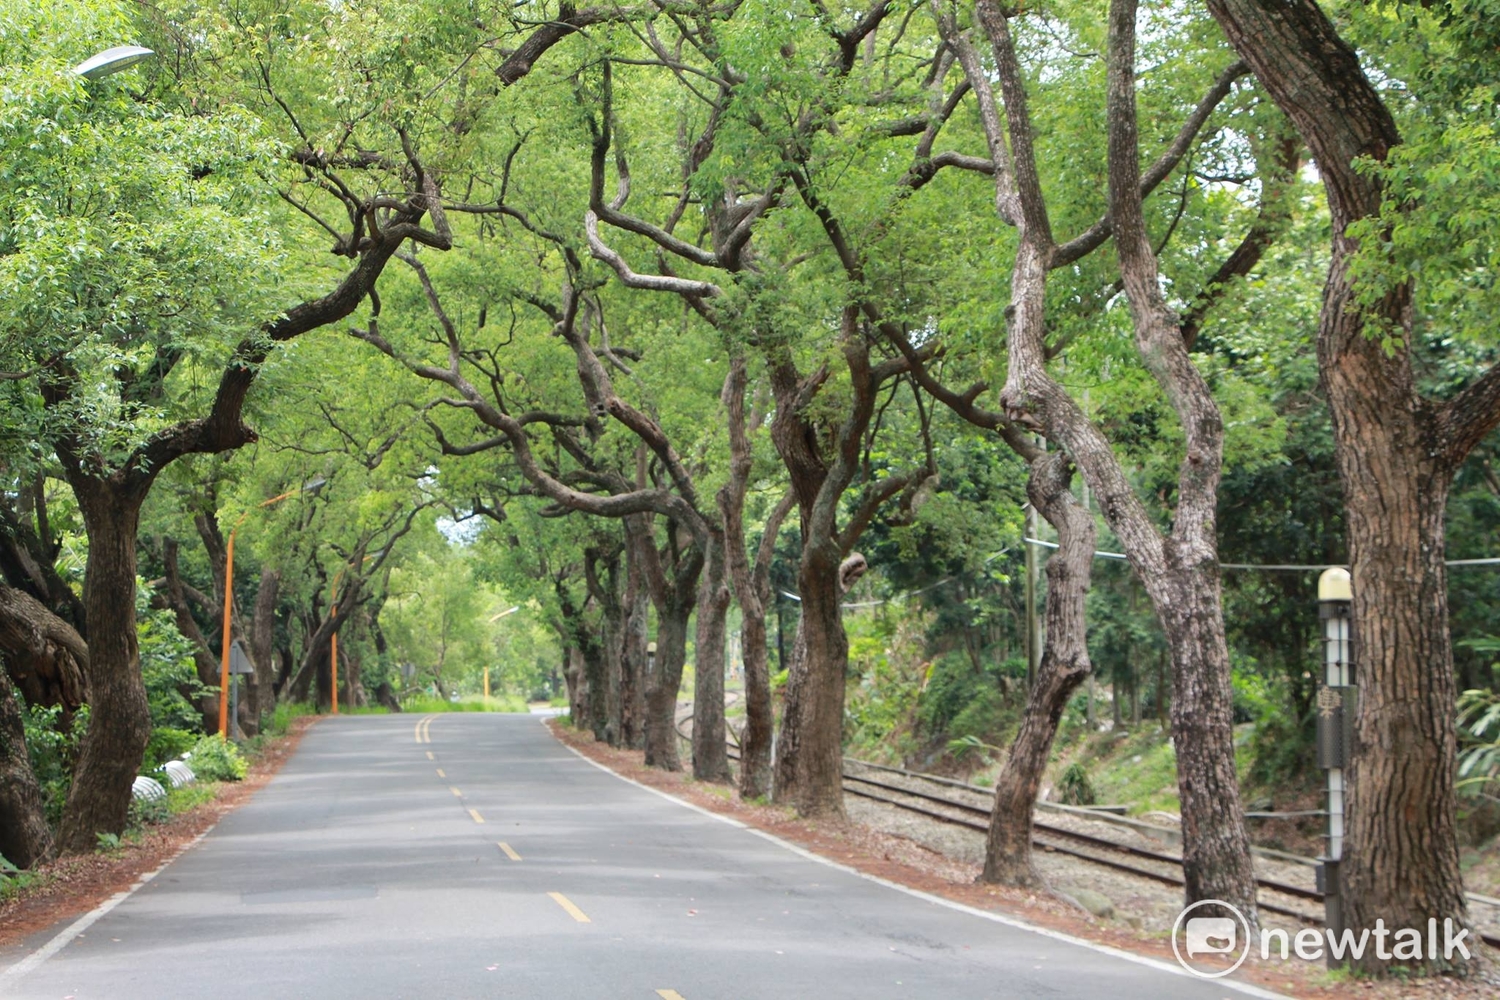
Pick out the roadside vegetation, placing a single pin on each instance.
(973, 386)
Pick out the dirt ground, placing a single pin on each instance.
(884, 842)
(71, 886)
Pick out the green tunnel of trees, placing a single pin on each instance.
(620, 355)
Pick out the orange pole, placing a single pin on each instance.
(224, 658)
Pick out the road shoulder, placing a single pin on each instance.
(907, 864)
(70, 887)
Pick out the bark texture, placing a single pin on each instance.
(119, 719)
(1065, 664)
(710, 754)
(1397, 453)
(25, 837)
(44, 656)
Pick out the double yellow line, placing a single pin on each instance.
(424, 729)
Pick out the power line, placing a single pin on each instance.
(1273, 567)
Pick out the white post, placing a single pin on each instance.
(1334, 599)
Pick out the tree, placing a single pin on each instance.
(184, 277)
(1397, 448)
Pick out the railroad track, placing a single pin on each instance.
(1060, 840)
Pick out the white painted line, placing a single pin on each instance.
(83, 923)
(999, 918)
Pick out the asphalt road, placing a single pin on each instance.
(494, 862)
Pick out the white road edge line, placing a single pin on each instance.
(999, 918)
(83, 923)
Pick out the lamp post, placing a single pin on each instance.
(311, 486)
(1336, 708)
(493, 620)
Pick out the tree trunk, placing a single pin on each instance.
(604, 685)
(810, 750)
(1188, 601)
(28, 554)
(1401, 861)
(45, 658)
(664, 683)
(204, 660)
(258, 695)
(25, 838)
(119, 718)
(1065, 663)
(633, 680)
(1397, 453)
(578, 691)
(710, 755)
(596, 676)
(752, 585)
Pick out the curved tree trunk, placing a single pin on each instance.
(119, 718)
(28, 553)
(710, 756)
(1065, 664)
(204, 660)
(46, 659)
(25, 838)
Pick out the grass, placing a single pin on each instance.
(426, 704)
(282, 716)
(1138, 770)
(14, 881)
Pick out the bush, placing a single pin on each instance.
(167, 670)
(167, 743)
(1074, 787)
(216, 759)
(54, 750)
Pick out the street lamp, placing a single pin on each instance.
(493, 619)
(1336, 709)
(311, 486)
(112, 61)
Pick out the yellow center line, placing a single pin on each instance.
(508, 852)
(567, 904)
(475, 813)
(430, 756)
(669, 995)
(440, 773)
(456, 793)
(417, 731)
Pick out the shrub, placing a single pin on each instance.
(54, 749)
(167, 743)
(216, 759)
(1074, 787)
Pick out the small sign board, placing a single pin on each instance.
(239, 663)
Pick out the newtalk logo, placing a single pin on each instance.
(1204, 943)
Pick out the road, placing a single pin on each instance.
(474, 856)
